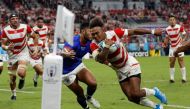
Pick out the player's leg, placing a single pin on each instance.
(12, 83)
(172, 68)
(86, 76)
(1, 66)
(182, 68)
(21, 71)
(37, 65)
(1, 63)
(38, 72)
(72, 83)
(131, 88)
(130, 82)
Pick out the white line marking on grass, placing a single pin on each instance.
(28, 92)
(151, 81)
(177, 106)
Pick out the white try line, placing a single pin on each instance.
(177, 106)
(27, 92)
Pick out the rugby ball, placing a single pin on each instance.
(113, 48)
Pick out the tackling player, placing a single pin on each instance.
(14, 39)
(173, 32)
(107, 48)
(74, 70)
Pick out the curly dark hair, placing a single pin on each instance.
(96, 22)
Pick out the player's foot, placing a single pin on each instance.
(13, 97)
(161, 96)
(159, 106)
(35, 83)
(183, 81)
(87, 107)
(21, 84)
(172, 81)
(94, 102)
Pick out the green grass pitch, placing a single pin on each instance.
(154, 73)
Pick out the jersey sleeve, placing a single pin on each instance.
(121, 32)
(182, 30)
(3, 35)
(29, 30)
(94, 49)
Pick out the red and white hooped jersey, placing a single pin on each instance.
(119, 56)
(43, 32)
(174, 34)
(31, 47)
(17, 36)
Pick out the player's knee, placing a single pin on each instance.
(134, 97)
(12, 79)
(21, 70)
(93, 84)
(39, 71)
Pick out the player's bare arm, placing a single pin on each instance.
(102, 56)
(68, 54)
(166, 41)
(7, 46)
(185, 38)
(157, 32)
(185, 46)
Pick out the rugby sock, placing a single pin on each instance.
(36, 77)
(172, 71)
(82, 102)
(149, 92)
(90, 92)
(14, 92)
(146, 102)
(183, 72)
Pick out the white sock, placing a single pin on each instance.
(183, 72)
(36, 77)
(172, 72)
(149, 92)
(14, 92)
(146, 102)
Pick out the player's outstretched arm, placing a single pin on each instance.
(157, 32)
(166, 41)
(185, 46)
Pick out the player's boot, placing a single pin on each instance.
(172, 81)
(159, 106)
(87, 107)
(21, 83)
(183, 81)
(13, 97)
(35, 83)
(94, 102)
(160, 95)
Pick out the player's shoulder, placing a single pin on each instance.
(8, 27)
(35, 27)
(76, 37)
(24, 25)
(168, 27)
(110, 34)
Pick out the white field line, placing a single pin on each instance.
(177, 106)
(27, 92)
